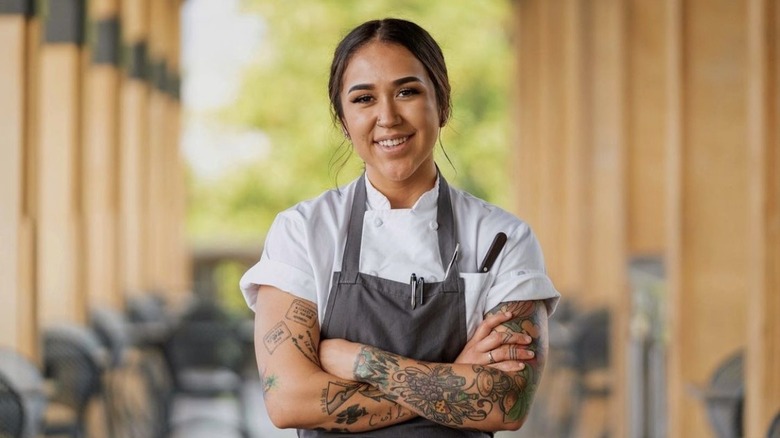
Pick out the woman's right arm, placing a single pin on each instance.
(297, 392)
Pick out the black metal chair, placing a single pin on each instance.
(113, 332)
(774, 428)
(205, 353)
(74, 360)
(21, 376)
(150, 324)
(159, 390)
(588, 356)
(12, 413)
(725, 396)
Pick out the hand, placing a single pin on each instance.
(497, 347)
(337, 357)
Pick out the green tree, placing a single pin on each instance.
(284, 94)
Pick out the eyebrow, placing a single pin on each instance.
(397, 82)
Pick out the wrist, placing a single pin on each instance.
(372, 367)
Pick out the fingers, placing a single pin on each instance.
(497, 339)
(511, 352)
(508, 366)
(489, 324)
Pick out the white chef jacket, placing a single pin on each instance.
(305, 245)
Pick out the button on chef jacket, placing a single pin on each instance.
(305, 244)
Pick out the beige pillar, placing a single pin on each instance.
(181, 277)
(606, 247)
(549, 137)
(525, 147)
(133, 150)
(762, 372)
(100, 158)
(156, 260)
(572, 154)
(707, 257)
(18, 322)
(647, 126)
(60, 256)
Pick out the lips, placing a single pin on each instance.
(392, 143)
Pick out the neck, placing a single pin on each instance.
(404, 194)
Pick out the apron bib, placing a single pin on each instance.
(379, 312)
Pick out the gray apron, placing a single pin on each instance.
(376, 311)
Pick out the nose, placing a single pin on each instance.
(387, 115)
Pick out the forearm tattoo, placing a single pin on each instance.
(437, 392)
(525, 320)
(340, 392)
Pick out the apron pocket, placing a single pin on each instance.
(475, 290)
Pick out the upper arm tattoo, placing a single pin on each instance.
(303, 314)
(276, 336)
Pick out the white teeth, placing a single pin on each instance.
(393, 142)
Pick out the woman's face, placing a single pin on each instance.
(390, 114)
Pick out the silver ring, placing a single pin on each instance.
(490, 355)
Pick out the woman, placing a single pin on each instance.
(397, 305)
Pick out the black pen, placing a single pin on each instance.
(413, 284)
(495, 248)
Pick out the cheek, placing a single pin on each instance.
(356, 124)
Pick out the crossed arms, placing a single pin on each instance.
(350, 387)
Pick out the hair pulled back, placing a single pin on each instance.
(395, 31)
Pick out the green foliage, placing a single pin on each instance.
(284, 94)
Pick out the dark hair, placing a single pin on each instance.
(396, 31)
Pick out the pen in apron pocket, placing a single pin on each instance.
(416, 284)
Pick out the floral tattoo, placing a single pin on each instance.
(438, 393)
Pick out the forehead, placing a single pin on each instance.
(380, 62)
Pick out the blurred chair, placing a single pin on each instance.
(588, 358)
(12, 414)
(725, 396)
(113, 331)
(21, 377)
(150, 323)
(205, 353)
(158, 387)
(774, 428)
(74, 361)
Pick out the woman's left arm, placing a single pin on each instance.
(456, 395)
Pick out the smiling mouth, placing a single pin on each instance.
(392, 143)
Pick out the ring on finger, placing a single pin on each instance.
(490, 356)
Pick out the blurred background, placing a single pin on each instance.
(146, 146)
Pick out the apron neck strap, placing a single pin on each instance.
(446, 233)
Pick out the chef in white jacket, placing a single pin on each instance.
(398, 305)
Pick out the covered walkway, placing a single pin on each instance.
(646, 156)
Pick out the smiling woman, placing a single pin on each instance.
(369, 300)
(283, 94)
(392, 119)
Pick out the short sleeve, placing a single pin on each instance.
(521, 275)
(284, 263)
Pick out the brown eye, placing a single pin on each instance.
(406, 92)
(362, 99)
